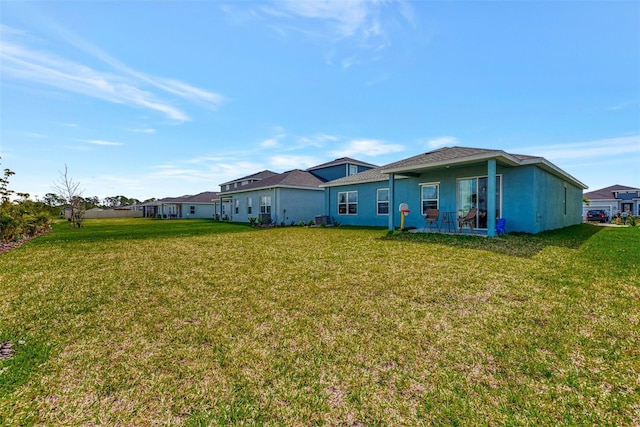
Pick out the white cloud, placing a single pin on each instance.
(318, 140)
(269, 143)
(441, 141)
(143, 130)
(345, 17)
(367, 147)
(354, 31)
(597, 149)
(102, 142)
(121, 85)
(288, 162)
(621, 106)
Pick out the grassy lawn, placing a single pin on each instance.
(145, 322)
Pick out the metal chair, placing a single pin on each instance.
(469, 219)
(431, 219)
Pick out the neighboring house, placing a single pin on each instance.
(201, 205)
(530, 192)
(224, 204)
(614, 199)
(288, 197)
(339, 168)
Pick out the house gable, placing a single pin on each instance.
(339, 168)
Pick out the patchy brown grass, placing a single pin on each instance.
(220, 324)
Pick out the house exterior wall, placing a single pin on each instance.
(296, 205)
(201, 210)
(287, 204)
(367, 197)
(558, 203)
(532, 200)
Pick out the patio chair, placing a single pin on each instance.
(431, 219)
(469, 219)
(500, 226)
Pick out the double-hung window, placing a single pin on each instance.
(348, 203)
(429, 196)
(265, 204)
(192, 210)
(382, 201)
(249, 207)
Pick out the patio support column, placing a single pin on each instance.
(392, 203)
(491, 198)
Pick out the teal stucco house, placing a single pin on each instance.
(529, 192)
(283, 198)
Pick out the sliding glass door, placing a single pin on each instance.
(472, 193)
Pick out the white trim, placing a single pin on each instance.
(437, 199)
(347, 203)
(378, 202)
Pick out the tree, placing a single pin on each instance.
(53, 200)
(117, 201)
(91, 202)
(4, 185)
(70, 192)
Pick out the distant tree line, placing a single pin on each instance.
(21, 217)
(54, 200)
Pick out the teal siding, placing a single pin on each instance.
(532, 199)
(551, 212)
(287, 204)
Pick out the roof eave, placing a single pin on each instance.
(502, 156)
(270, 187)
(364, 181)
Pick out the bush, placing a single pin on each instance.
(22, 219)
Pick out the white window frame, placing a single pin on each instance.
(423, 200)
(249, 205)
(381, 202)
(237, 207)
(352, 169)
(265, 204)
(192, 210)
(350, 205)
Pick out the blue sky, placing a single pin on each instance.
(164, 98)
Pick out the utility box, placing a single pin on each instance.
(322, 219)
(264, 218)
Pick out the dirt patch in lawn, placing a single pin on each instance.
(7, 246)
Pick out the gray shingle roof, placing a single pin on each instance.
(447, 156)
(204, 197)
(256, 176)
(294, 179)
(371, 175)
(607, 192)
(450, 155)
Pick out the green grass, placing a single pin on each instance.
(197, 323)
